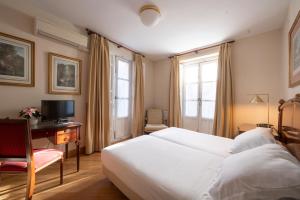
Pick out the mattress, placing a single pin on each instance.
(154, 168)
(201, 141)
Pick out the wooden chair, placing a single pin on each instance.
(17, 155)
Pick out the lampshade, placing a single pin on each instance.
(257, 99)
(150, 15)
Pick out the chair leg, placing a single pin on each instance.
(62, 170)
(30, 180)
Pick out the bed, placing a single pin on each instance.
(206, 142)
(180, 164)
(140, 161)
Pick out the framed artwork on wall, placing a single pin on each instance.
(64, 75)
(294, 53)
(16, 61)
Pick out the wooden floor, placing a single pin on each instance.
(88, 184)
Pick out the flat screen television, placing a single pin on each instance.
(57, 109)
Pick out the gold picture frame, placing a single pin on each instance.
(294, 53)
(17, 59)
(64, 74)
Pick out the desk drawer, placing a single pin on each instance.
(65, 136)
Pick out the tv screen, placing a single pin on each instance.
(57, 109)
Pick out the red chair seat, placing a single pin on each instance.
(42, 158)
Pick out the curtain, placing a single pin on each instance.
(138, 100)
(223, 120)
(98, 107)
(174, 97)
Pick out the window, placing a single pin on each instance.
(122, 87)
(199, 88)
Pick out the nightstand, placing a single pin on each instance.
(245, 127)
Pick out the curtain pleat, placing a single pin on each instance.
(138, 101)
(223, 121)
(174, 97)
(98, 115)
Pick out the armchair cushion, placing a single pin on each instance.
(154, 127)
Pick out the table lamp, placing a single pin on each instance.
(257, 99)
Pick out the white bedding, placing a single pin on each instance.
(155, 168)
(201, 141)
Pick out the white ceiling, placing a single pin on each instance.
(186, 24)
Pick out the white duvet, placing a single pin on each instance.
(155, 168)
(201, 141)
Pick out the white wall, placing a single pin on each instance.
(161, 84)
(13, 98)
(291, 15)
(149, 84)
(257, 69)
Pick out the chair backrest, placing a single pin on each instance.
(154, 116)
(15, 139)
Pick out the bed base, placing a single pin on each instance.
(120, 185)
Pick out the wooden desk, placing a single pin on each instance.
(59, 134)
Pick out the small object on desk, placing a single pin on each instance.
(30, 113)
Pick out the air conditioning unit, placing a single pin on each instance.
(61, 34)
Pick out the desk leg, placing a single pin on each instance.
(78, 155)
(67, 150)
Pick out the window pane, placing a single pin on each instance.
(208, 109)
(191, 91)
(123, 89)
(209, 71)
(122, 107)
(191, 73)
(191, 108)
(209, 91)
(123, 69)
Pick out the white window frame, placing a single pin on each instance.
(200, 82)
(118, 58)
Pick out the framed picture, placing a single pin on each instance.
(294, 53)
(64, 75)
(16, 61)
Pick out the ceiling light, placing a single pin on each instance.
(150, 15)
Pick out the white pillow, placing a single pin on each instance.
(251, 139)
(265, 172)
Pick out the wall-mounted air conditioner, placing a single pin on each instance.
(61, 34)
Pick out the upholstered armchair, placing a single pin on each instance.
(154, 121)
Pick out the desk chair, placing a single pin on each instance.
(17, 155)
(154, 121)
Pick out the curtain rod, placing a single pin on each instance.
(89, 32)
(200, 49)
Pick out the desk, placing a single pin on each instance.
(59, 134)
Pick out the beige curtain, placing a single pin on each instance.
(138, 101)
(98, 125)
(174, 97)
(223, 122)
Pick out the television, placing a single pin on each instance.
(57, 110)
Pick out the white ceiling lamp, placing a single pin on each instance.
(150, 15)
